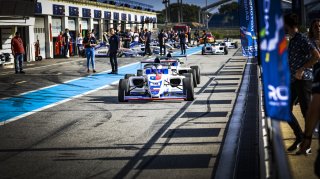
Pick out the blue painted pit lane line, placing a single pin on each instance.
(14, 108)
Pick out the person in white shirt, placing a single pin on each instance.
(135, 39)
(131, 34)
(79, 43)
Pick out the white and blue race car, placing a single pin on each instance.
(215, 48)
(156, 80)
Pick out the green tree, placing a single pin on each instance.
(190, 13)
(229, 8)
(227, 16)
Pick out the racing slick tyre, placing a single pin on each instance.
(197, 69)
(191, 74)
(123, 89)
(187, 75)
(127, 76)
(188, 89)
(139, 73)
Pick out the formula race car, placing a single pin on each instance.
(215, 48)
(178, 66)
(101, 50)
(230, 43)
(157, 80)
(135, 51)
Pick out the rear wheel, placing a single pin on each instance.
(123, 90)
(198, 77)
(188, 89)
(139, 73)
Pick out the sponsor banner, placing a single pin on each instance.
(274, 58)
(71, 24)
(248, 28)
(84, 24)
(56, 26)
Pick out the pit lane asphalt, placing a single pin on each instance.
(95, 136)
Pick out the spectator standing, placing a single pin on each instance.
(141, 36)
(126, 39)
(114, 42)
(170, 36)
(313, 114)
(182, 38)
(196, 37)
(105, 37)
(131, 33)
(66, 40)
(18, 52)
(147, 36)
(89, 43)
(135, 39)
(204, 36)
(61, 43)
(189, 36)
(299, 51)
(93, 33)
(79, 43)
(162, 38)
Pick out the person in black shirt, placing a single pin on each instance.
(147, 37)
(162, 39)
(299, 51)
(196, 37)
(66, 37)
(126, 39)
(313, 114)
(204, 36)
(182, 37)
(114, 42)
(189, 36)
(89, 43)
(141, 36)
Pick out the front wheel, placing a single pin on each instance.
(123, 89)
(188, 89)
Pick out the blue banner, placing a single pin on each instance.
(274, 58)
(248, 28)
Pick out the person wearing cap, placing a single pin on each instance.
(18, 52)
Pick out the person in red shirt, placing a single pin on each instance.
(18, 52)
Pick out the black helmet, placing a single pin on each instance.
(157, 60)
